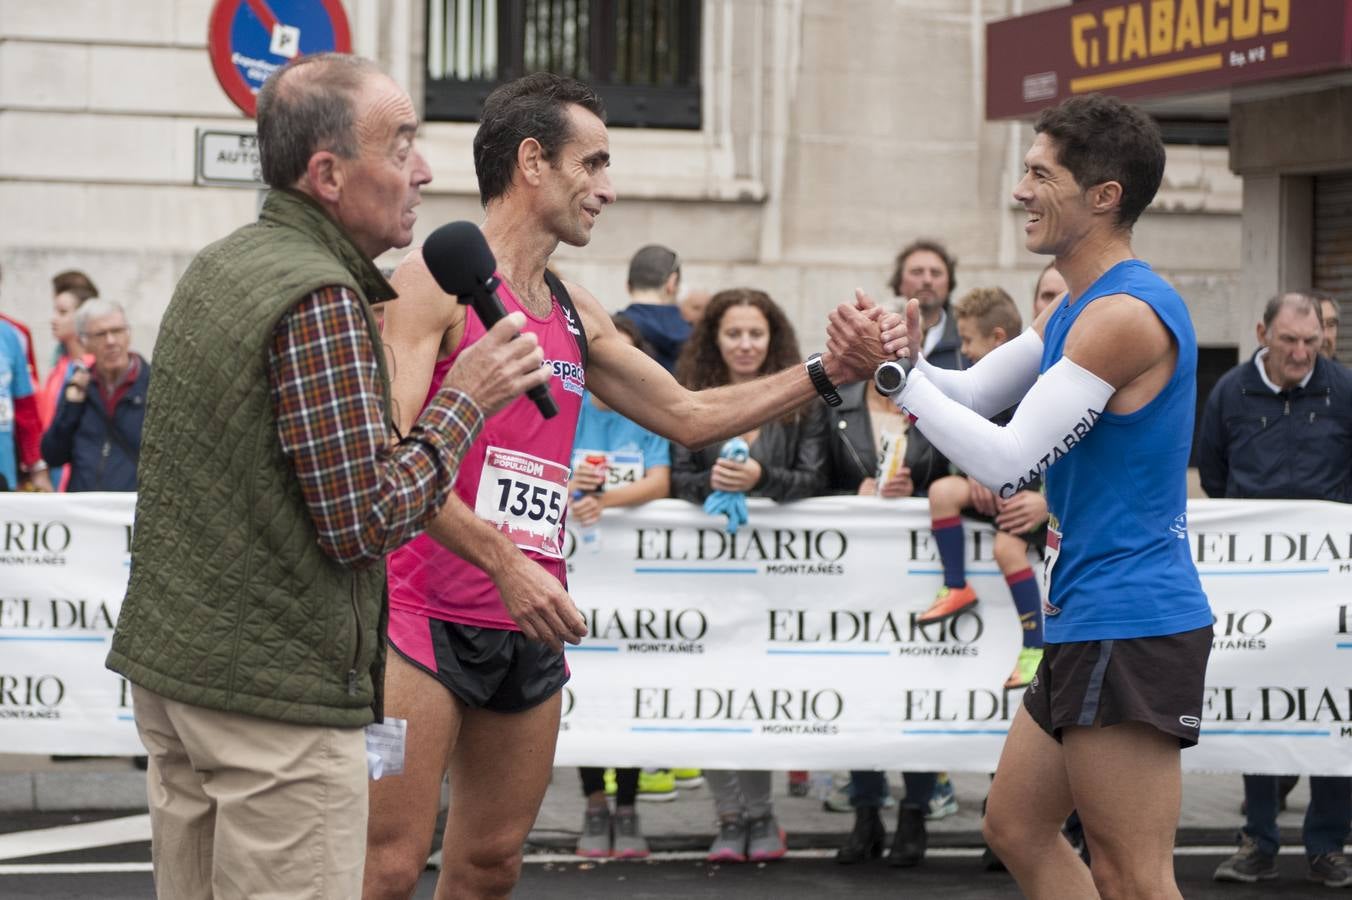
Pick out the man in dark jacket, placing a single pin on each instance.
(97, 427)
(1280, 427)
(926, 271)
(654, 281)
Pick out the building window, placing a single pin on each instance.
(642, 56)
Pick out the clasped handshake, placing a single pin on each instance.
(862, 335)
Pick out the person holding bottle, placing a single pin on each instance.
(615, 463)
(742, 336)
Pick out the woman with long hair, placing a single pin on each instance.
(742, 336)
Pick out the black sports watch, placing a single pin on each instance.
(817, 372)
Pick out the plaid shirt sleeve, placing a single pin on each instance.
(368, 493)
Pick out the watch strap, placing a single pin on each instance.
(817, 372)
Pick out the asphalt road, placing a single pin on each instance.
(948, 873)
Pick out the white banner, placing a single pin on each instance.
(790, 645)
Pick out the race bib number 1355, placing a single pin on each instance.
(524, 496)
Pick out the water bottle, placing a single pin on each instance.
(588, 536)
(591, 534)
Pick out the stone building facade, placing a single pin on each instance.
(831, 133)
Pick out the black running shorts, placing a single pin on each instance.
(1155, 680)
(487, 668)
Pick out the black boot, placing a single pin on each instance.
(908, 844)
(866, 840)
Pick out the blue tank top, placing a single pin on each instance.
(1118, 499)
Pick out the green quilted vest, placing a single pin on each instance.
(231, 603)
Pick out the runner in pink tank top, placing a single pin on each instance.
(514, 476)
(482, 694)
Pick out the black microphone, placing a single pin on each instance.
(459, 259)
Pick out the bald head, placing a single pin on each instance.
(310, 104)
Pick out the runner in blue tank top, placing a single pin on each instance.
(1105, 382)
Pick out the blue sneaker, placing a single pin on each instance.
(943, 802)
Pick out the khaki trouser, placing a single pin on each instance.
(243, 807)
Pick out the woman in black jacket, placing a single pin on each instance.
(742, 336)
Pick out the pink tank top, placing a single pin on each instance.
(515, 476)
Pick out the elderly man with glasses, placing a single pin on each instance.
(97, 427)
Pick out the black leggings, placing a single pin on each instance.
(626, 784)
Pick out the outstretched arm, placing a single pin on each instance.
(1118, 357)
(641, 390)
(996, 382)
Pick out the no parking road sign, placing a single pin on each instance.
(250, 39)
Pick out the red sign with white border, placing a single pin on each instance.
(248, 40)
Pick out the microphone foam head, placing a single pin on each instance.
(458, 257)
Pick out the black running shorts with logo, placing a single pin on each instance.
(1155, 680)
(488, 668)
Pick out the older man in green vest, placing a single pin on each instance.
(272, 483)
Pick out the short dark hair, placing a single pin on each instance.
(651, 266)
(534, 106)
(73, 281)
(1295, 300)
(306, 106)
(1101, 139)
(933, 246)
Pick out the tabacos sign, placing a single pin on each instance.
(649, 629)
(766, 710)
(1154, 29)
(783, 551)
(1144, 48)
(955, 636)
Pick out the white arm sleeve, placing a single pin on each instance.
(997, 381)
(1054, 416)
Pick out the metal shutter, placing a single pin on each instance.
(1333, 249)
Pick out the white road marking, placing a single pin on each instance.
(74, 868)
(85, 835)
(558, 859)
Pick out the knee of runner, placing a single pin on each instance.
(495, 865)
(1000, 835)
(392, 875)
(490, 854)
(1116, 878)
